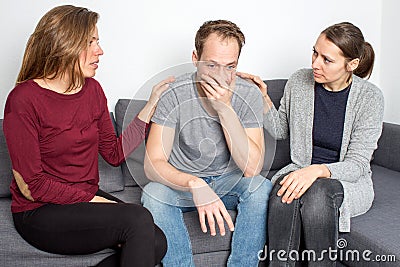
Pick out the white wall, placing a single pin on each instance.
(390, 59)
(143, 38)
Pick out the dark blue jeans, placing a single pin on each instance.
(311, 220)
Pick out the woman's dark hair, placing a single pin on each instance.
(350, 40)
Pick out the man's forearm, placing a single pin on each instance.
(163, 172)
(245, 152)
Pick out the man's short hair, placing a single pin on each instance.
(223, 28)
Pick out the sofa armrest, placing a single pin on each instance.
(388, 152)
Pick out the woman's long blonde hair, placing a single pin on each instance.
(54, 48)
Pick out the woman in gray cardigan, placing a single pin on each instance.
(334, 118)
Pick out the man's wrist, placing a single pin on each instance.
(195, 183)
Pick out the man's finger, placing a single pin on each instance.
(220, 222)
(228, 219)
(212, 91)
(211, 222)
(202, 219)
(216, 82)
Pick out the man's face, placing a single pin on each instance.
(219, 57)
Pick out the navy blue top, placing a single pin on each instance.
(329, 114)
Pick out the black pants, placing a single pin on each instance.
(311, 221)
(85, 228)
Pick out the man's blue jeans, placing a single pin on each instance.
(248, 195)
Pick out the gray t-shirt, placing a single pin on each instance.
(199, 145)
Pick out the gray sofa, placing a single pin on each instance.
(377, 231)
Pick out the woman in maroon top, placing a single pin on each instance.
(56, 121)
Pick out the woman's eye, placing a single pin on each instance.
(315, 53)
(94, 41)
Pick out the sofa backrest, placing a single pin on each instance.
(5, 166)
(132, 169)
(388, 152)
(277, 152)
(111, 179)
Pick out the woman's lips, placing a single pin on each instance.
(317, 75)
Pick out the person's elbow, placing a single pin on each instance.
(251, 173)
(149, 169)
(252, 170)
(254, 164)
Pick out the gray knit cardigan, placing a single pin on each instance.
(362, 128)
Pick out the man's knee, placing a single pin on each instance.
(260, 190)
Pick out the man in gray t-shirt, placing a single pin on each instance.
(205, 151)
(200, 147)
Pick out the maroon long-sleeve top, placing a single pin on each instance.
(54, 140)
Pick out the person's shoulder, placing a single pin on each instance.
(92, 84)
(24, 92)
(182, 81)
(302, 75)
(247, 88)
(180, 86)
(93, 88)
(23, 97)
(365, 84)
(367, 88)
(246, 94)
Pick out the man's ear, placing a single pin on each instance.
(195, 58)
(353, 64)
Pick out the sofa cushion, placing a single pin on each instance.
(218, 258)
(204, 242)
(15, 251)
(131, 194)
(201, 243)
(275, 90)
(111, 179)
(132, 169)
(277, 153)
(378, 230)
(5, 166)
